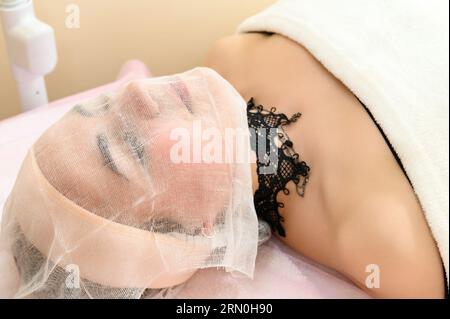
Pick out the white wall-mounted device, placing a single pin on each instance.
(31, 49)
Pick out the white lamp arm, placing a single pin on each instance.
(31, 49)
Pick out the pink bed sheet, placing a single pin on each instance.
(280, 272)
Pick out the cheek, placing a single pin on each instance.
(190, 193)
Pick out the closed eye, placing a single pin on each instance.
(137, 148)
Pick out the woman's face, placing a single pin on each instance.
(114, 155)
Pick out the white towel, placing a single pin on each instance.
(393, 55)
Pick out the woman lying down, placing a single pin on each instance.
(136, 190)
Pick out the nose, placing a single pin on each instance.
(137, 99)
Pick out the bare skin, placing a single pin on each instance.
(359, 208)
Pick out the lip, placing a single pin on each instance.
(182, 90)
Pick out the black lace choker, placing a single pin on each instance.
(277, 162)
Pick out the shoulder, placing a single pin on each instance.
(229, 54)
(236, 42)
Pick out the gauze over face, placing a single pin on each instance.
(118, 196)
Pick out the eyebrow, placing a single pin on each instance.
(80, 109)
(103, 146)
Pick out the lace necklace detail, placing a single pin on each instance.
(276, 160)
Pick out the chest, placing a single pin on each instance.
(335, 135)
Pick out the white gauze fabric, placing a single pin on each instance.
(115, 200)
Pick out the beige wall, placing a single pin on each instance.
(168, 35)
